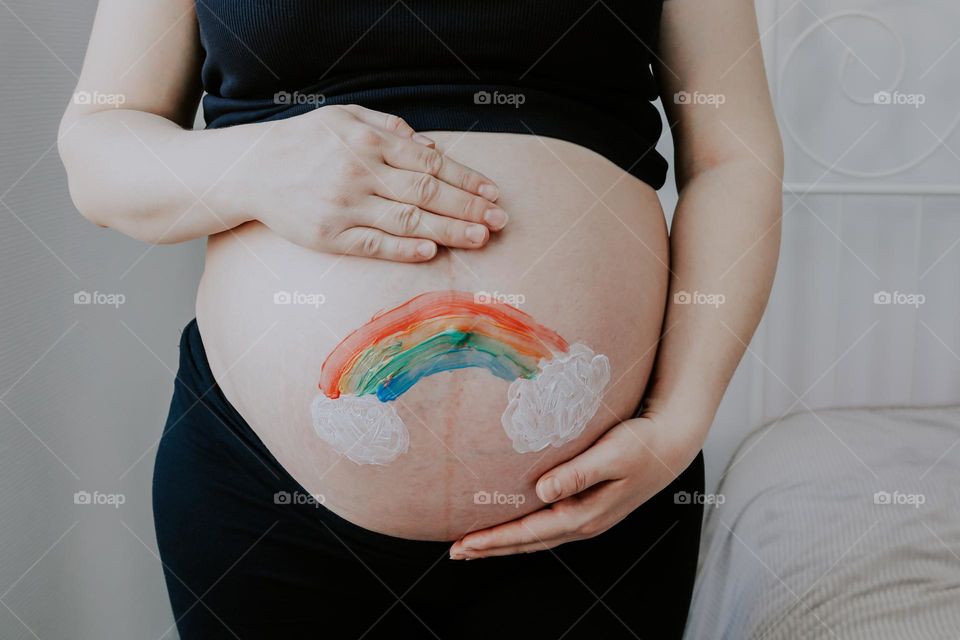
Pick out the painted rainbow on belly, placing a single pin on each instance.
(434, 332)
(555, 387)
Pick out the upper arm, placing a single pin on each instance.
(144, 55)
(710, 53)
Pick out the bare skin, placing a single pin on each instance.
(366, 185)
(369, 186)
(566, 253)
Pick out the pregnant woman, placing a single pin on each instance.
(448, 376)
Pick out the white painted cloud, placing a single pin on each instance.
(555, 407)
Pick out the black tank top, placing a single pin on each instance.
(577, 70)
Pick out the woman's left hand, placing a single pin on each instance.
(590, 493)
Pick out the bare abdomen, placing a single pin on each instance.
(584, 255)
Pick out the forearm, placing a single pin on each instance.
(148, 178)
(724, 242)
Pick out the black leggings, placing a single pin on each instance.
(241, 563)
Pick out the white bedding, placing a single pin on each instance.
(842, 524)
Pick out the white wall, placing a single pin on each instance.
(83, 399)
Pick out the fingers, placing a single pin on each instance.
(402, 154)
(408, 220)
(374, 243)
(597, 464)
(424, 177)
(387, 122)
(432, 194)
(534, 529)
(578, 518)
(531, 547)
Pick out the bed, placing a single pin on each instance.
(841, 524)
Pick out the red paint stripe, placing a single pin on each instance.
(424, 307)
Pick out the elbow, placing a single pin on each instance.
(83, 195)
(91, 199)
(769, 151)
(106, 186)
(754, 151)
(775, 153)
(82, 192)
(91, 195)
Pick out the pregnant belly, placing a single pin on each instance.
(582, 264)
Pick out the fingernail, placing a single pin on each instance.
(476, 233)
(490, 192)
(426, 249)
(496, 218)
(422, 139)
(549, 489)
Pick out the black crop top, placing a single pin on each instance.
(577, 70)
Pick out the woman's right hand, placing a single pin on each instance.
(349, 180)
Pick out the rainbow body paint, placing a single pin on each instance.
(555, 387)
